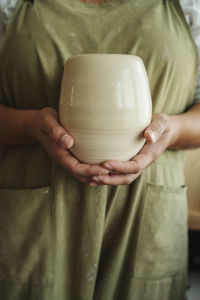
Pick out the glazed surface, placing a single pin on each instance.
(105, 104)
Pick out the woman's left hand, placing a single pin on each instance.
(159, 136)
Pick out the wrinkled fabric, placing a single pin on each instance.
(61, 238)
(191, 9)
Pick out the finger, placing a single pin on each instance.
(130, 167)
(83, 178)
(68, 161)
(155, 134)
(49, 125)
(148, 154)
(82, 169)
(115, 179)
(157, 127)
(93, 184)
(89, 170)
(134, 166)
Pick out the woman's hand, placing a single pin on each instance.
(159, 136)
(56, 141)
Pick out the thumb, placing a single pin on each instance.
(49, 125)
(67, 140)
(157, 127)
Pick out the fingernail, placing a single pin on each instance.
(67, 141)
(109, 167)
(152, 134)
(96, 178)
(104, 172)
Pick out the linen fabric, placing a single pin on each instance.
(60, 238)
(191, 9)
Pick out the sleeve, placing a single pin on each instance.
(191, 9)
(7, 8)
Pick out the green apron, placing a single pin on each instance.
(59, 238)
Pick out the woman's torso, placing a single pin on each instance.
(43, 35)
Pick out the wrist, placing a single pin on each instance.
(29, 125)
(175, 129)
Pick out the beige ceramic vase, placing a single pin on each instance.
(105, 104)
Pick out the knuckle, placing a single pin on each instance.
(137, 170)
(47, 113)
(163, 117)
(128, 180)
(106, 181)
(154, 155)
(156, 128)
(90, 171)
(139, 167)
(159, 123)
(43, 123)
(53, 132)
(141, 162)
(160, 117)
(76, 170)
(44, 117)
(133, 166)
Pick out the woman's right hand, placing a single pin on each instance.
(56, 141)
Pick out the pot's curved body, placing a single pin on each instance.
(105, 104)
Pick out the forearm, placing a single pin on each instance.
(16, 126)
(186, 129)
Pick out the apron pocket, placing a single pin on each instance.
(26, 234)
(162, 238)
